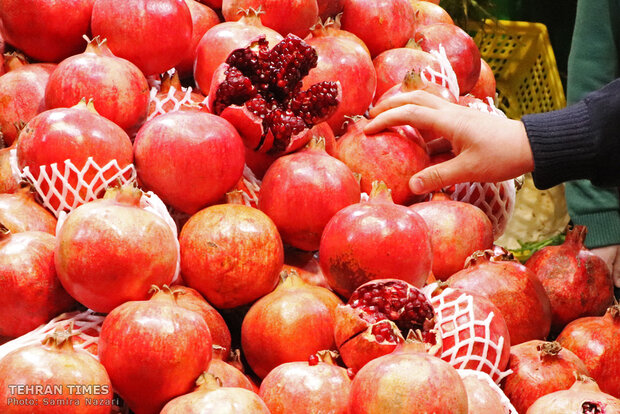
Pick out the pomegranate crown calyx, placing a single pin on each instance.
(207, 381)
(381, 192)
(497, 254)
(576, 236)
(549, 349)
(60, 338)
(251, 13)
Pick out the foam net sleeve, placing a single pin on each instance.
(509, 408)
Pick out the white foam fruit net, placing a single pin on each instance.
(171, 102)
(85, 326)
(458, 325)
(250, 187)
(446, 77)
(508, 407)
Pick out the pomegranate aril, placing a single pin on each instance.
(234, 91)
(313, 360)
(291, 61)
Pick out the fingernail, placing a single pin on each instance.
(417, 186)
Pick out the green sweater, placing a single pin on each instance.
(593, 62)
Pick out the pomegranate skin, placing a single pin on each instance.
(129, 250)
(427, 13)
(457, 230)
(485, 85)
(8, 182)
(577, 281)
(481, 398)
(232, 254)
(382, 25)
(20, 212)
(22, 96)
(374, 240)
(154, 35)
(30, 291)
(595, 341)
(47, 30)
(119, 91)
(407, 382)
(329, 8)
(284, 16)
(202, 148)
(229, 375)
(583, 397)
(153, 351)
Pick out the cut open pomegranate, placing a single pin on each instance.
(259, 91)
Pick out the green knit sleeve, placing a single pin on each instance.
(594, 62)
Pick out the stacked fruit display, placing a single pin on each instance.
(193, 220)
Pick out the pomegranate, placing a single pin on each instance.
(391, 156)
(22, 94)
(172, 97)
(330, 8)
(407, 382)
(288, 182)
(154, 350)
(481, 397)
(53, 377)
(203, 18)
(220, 40)
(318, 385)
(231, 253)
(577, 281)
(189, 298)
(460, 49)
(202, 148)
(584, 396)
(333, 27)
(154, 35)
(377, 317)
(485, 85)
(19, 212)
(289, 324)
(46, 30)
(129, 250)
(392, 66)
(595, 341)
(273, 115)
(344, 60)
(30, 291)
(539, 368)
(457, 231)
(376, 239)
(211, 397)
(306, 264)
(9, 183)
(513, 288)
(118, 89)
(382, 25)
(74, 134)
(284, 16)
(229, 375)
(426, 13)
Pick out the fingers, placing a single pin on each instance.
(416, 116)
(438, 176)
(415, 97)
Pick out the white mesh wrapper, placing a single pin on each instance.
(446, 77)
(250, 187)
(456, 320)
(510, 409)
(170, 102)
(73, 189)
(86, 326)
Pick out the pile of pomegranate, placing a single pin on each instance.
(195, 176)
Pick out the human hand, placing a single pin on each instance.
(488, 148)
(611, 256)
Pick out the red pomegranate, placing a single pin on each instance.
(382, 25)
(457, 231)
(584, 396)
(202, 148)
(415, 80)
(485, 85)
(513, 288)
(288, 183)
(203, 18)
(577, 281)
(211, 397)
(539, 368)
(22, 94)
(231, 253)
(595, 341)
(289, 324)
(333, 27)
(376, 239)
(20, 212)
(153, 351)
(46, 30)
(9, 183)
(129, 250)
(284, 16)
(481, 397)
(393, 64)
(275, 115)
(378, 317)
(30, 291)
(220, 40)
(154, 35)
(189, 298)
(229, 375)
(330, 8)
(391, 156)
(172, 97)
(53, 378)
(460, 49)
(318, 385)
(426, 13)
(344, 60)
(74, 134)
(118, 89)
(407, 382)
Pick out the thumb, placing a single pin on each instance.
(438, 176)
